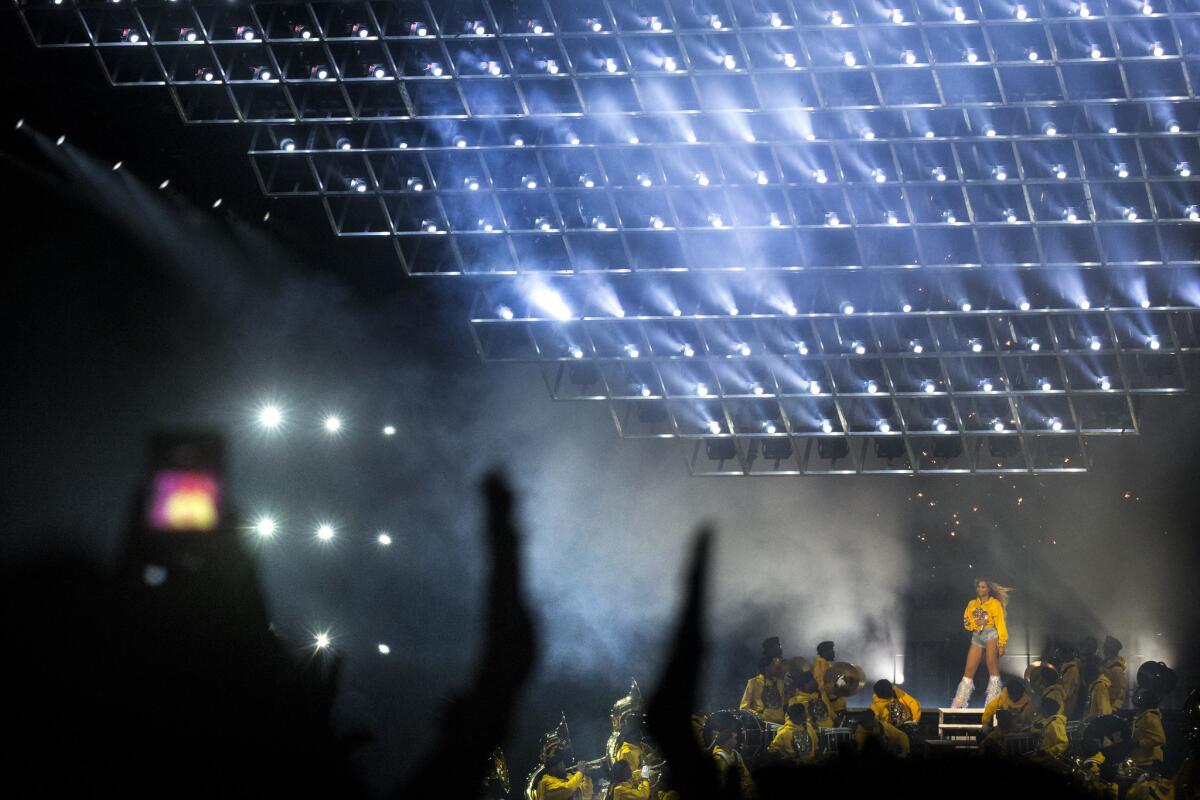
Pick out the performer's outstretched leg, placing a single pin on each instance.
(967, 685)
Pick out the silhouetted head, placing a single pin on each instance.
(1144, 700)
(770, 666)
(631, 729)
(1112, 647)
(797, 713)
(1090, 670)
(1088, 646)
(1015, 688)
(884, 689)
(825, 650)
(1005, 719)
(771, 648)
(1049, 707)
(806, 681)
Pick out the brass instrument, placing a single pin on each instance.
(1037, 675)
(498, 774)
(594, 765)
(623, 709)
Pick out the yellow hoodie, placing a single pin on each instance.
(907, 708)
(1148, 738)
(1070, 684)
(1053, 732)
(1022, 710)
(631, 754)
(764, 698)
(818, 705)
(1098, 703)
(1114, 668)
(552, 788)
(633, 789)
(1059, 694)
(820, 667)
(988, 614)
(795, 743)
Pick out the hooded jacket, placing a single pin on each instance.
(1148, 738)
(883, 707)
(764, 698)
(1022, 709)
(1114, 668)
(987, 614)
(1099, 704)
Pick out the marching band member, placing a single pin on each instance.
(984, 617)
(1148, 735)
(730, 765)
(1069, 675)
(796, 742)
(894, 705)
(870, 729)
(1099, 689)
(825, 657)
(1014, 699)
(627, 785)
(632, 749)
(1114, 668)
(557, 784)
(1051, 725)
(816, 702)
(764, 694)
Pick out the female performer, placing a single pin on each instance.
(984, 618)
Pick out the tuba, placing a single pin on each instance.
(627, 706)
(1039, 675)
(497, 783)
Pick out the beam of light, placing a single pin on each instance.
(321, 640)
(332, 424)
(266, 526)
(384, 539)
(326, 532)
(551, 302)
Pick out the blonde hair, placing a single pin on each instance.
(997, 591)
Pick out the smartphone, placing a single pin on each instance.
(186, 486)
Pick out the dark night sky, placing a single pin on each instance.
(205, 313)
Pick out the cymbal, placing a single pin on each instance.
(844, 679)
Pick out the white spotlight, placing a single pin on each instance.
(998, 425)
(1121, 169)
(389, 430)
(916, 346)
(1156, 50)
(940, 425)
(1024, 305)
(1085, 304)
(358, 185)
(883, 426)
(702, 179)
(1020, 12)
(906, 308)
(1069, 214)
(1010, 215)
(1094, 51)
(744, 350)
(939, 174)
(1055, 424)
(928, 386)
(1045, 385)
(1105, 383)
(789, 60)
(757, 389)
(1192, 212)
(702, 389)
(1145, 303)
(384, 539)
(814, 387)
(970, 56)
(965, 306)
(1153, 342)
(897, 16)
(847, 308)
(325, 532)
(1183, 169)
(265, 527)
(575, 351)
(729, 61)
(879, 175)
(908, 56)
(802, 348)
(1130, 214)
(761, 178)
(321, 640)
(819, 176)
(1000, 173)
(1049, 129)
(831, 219)
(1059, 171)
(657, 223)
(769, 428)
(986, 385)
(849, 59)
(826, 426)
(332, 424)
(384, 649)
(688, 351)
(872, 387)
(1034, 345)
(714, 427)
(976, 345)
(1094, 343)
(858, 347)
(958, 14)
(270, 416)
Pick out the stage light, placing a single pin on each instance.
(790, 309)
(344, 144)
(908, 56)
(245, 33)
(1156, 50)
(429, 226)
(847, 308)
(715, 220)
(529, 182)
(744, 350)
(575, 351)
(970, 56)
(701, 179)
(1105, 383)
(1032, 54)
(384, 649)
(1121, 169)
(358, 185)
(757, 389)
(733, 311)
(906, 308)
(504, 312)
(891, 218)
(1145, 303)
(459, 141)
(928, 386)
(319, 73)
(265, 527)
(1130, 214)
(332, 424)
(418, 29)
(1147, 8)
(989, 131)
(769, 428)
(600, 224)
(477, 27)
(485, 225)
(1034, 344)
(435, 69)
(1049, 129)
(632, 138)
(729, 61)
(676, 312)
(1010, 215)
(939, 174)
(761, 178)
(819, 176)
(1183, 169)
(187, 35)
(572, 138)
(1000, 173)
(1083, 10)
(543, 224)
(775, 20)
(1069, 215)
(714, 427)
(871, 386)
(471, 183)
(976, 345)
(1085, 304)
(1173, 126)
(986, 385)
(940, 425)
(998, 425)
(1094, 51)
(814, 387)
(1094, 343)
(929, 134)
(377, 71)
(867, 133)
(948, 217)
(826, 426)
(326, 532)
(1192, 212)
(965, 306)
(789, 60)
(654, 24)
(1045, 385)
(859, 347)
(321, 640)
(916, 346)
(610, 65)
(883, 426)
(1020, 12)
(270, 417)
(849, 59)
(879, 175)
(957, 13)
(831, 219)
(657, 223)
(644, 390)
(688, 351)
(389, 430)
(774, 221)
(1059, 171)
(1024, 305)
(1153, 342)
(263, 74)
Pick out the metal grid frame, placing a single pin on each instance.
(974, 174)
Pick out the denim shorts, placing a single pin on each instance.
(981, 638)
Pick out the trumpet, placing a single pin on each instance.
(595, 765)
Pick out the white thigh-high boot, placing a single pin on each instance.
(993, 690)
(963, 695)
